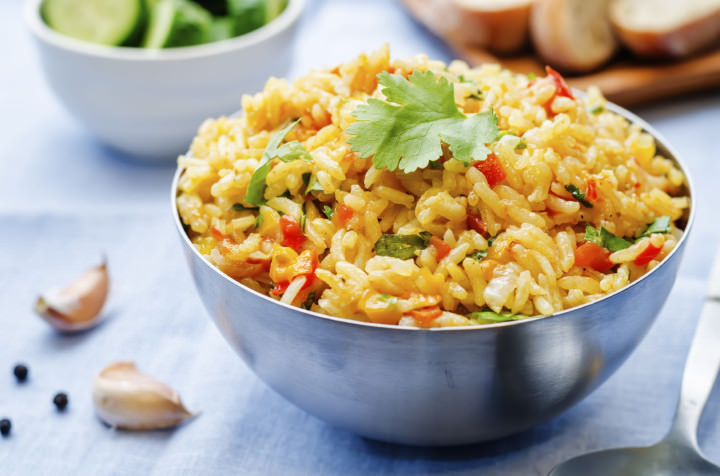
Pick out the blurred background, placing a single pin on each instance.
(67, 197)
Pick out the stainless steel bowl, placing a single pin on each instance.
(439, 386)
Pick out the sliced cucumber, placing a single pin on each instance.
(108, 22)
(222, 28)
(216, 7)
(249, 15)
(273, 9)
(177, 23)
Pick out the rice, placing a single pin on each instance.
(498, 251)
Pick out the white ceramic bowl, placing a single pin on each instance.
(149, 103)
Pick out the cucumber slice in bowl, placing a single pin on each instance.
(107, 22)
(177, 23)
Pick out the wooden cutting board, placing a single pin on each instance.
(625, 81)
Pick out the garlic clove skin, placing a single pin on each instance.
(128, 399)
(77, 306)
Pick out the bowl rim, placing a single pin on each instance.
(633, 118)
(43, 32)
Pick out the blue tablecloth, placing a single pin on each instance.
(65, 199)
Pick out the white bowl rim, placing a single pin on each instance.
(633, 118)
(38, 26)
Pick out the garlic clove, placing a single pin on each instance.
(77, 306)
(128, 399)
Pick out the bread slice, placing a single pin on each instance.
(500, 26)
(573, 35)
(672, 28)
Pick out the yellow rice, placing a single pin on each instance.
(530, 268)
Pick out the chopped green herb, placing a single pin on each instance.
(259, 221)
(303, 222)
(407, 131)
(311, 299)
(659, 225)
(478, 255)
(402, 246)
(463, 79)
(521, 145)
(255, 194)
(436, 164)
(605, 239)
(502, 134)
(311, 183)
(391, 301)
(612, 242)
(578, 195)
(591, 234)
(327, 211)
(531, 76)
(476, 95)
(490, 317)
(597, 110)
(239, 207)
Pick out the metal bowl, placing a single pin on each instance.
(443, 386)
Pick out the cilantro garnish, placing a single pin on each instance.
(327, 211)
(476, 95)
(286, 152)
(307, 304)
(303, 221)
(578, 195)
(597, 110)
(239, 207)
(523, 145)
(478, 255)
(490, 317)
(402, 246)
(531, 76)
(420, 114)
(659, 225)
(259, 221)
(605, 239)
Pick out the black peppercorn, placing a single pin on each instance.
(5, 426)
(60, 400)
(21, 372)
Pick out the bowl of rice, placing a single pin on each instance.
(431, 254)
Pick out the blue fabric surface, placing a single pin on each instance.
(65, 199)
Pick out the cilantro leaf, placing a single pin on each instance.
(612, 242)
(490, 317)
(605, 239)
(597, 110)
(255, 194)
(402, 246)
(478, 255)
(259, 221)
(523, 145)
(659, 225)
(311, 299)
(591, 234)
(327, 211)
(578, 195)
(420, 114)
(239, 207)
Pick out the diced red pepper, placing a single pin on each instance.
(424, 316)
(280, 288)
(307, 262)
(343, 214)
(592, 255)
(292, 234)
(492, 169)
(591, 192)
(561, 87)
(218, 235)
(474, 222)
(442, 249)
(648, 254)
